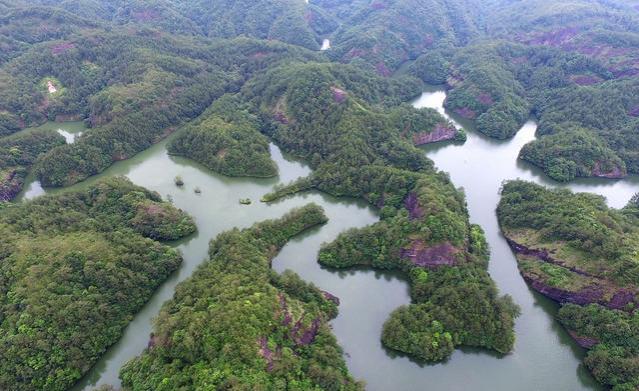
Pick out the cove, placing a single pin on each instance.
(217, 209)
(545, 357)
(69, 130)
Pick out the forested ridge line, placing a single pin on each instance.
(74, 269)
(574, 249)
(231, 75)
(497, 71)
(260, 329)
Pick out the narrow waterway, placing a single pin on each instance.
(482, 163)
(545, 358)
(217, 209)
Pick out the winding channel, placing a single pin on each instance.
(545, 357)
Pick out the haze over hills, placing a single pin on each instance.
(221, 80)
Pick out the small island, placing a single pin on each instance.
(179, 182)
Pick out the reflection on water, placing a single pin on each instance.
(545, 358)
(33, 188)
(216, 209)
(69, 130)
(483, 160)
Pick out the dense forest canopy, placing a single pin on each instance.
(574, 249)
(228, 77)
(424, 232)
(74, 269)
(235, 324)
(502, 60)
(226, 139)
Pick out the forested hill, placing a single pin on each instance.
(572, 64)
(282, 20)
(228, 77)
(574, 249)
(255, 329)
(385, 34)
(74, 269)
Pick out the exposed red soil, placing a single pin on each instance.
(454, 80)
(621, 299)
(308, 17)
(584, 342)
(553, 38)
(615, 173)
(378, 5)
(624, 73)
(441, 132)
(428, 41)
(145, 15)
(283, 310)
(299, 334)
(412, 205)
(119, 156)
(153, 341)
(382, 69)
(267, 353)
(61, 48)
(485, 99)
(587, 295)
(10, 186)
(154, 209)
(420, 254)
(465, 112)
(156, 340)
(259, 55)
(623, 61)
(331, 297)
(586, 80)
(594, 293)
(305, 335)
(281, 117)
(339, 95)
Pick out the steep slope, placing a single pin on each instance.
(237, 324)
(573, 249)
(74, 269)
(358, 149)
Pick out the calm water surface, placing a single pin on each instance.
(70, 130)
(216, 210)
(545, 358)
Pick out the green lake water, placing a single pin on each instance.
(69, 130)
(545, 358)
